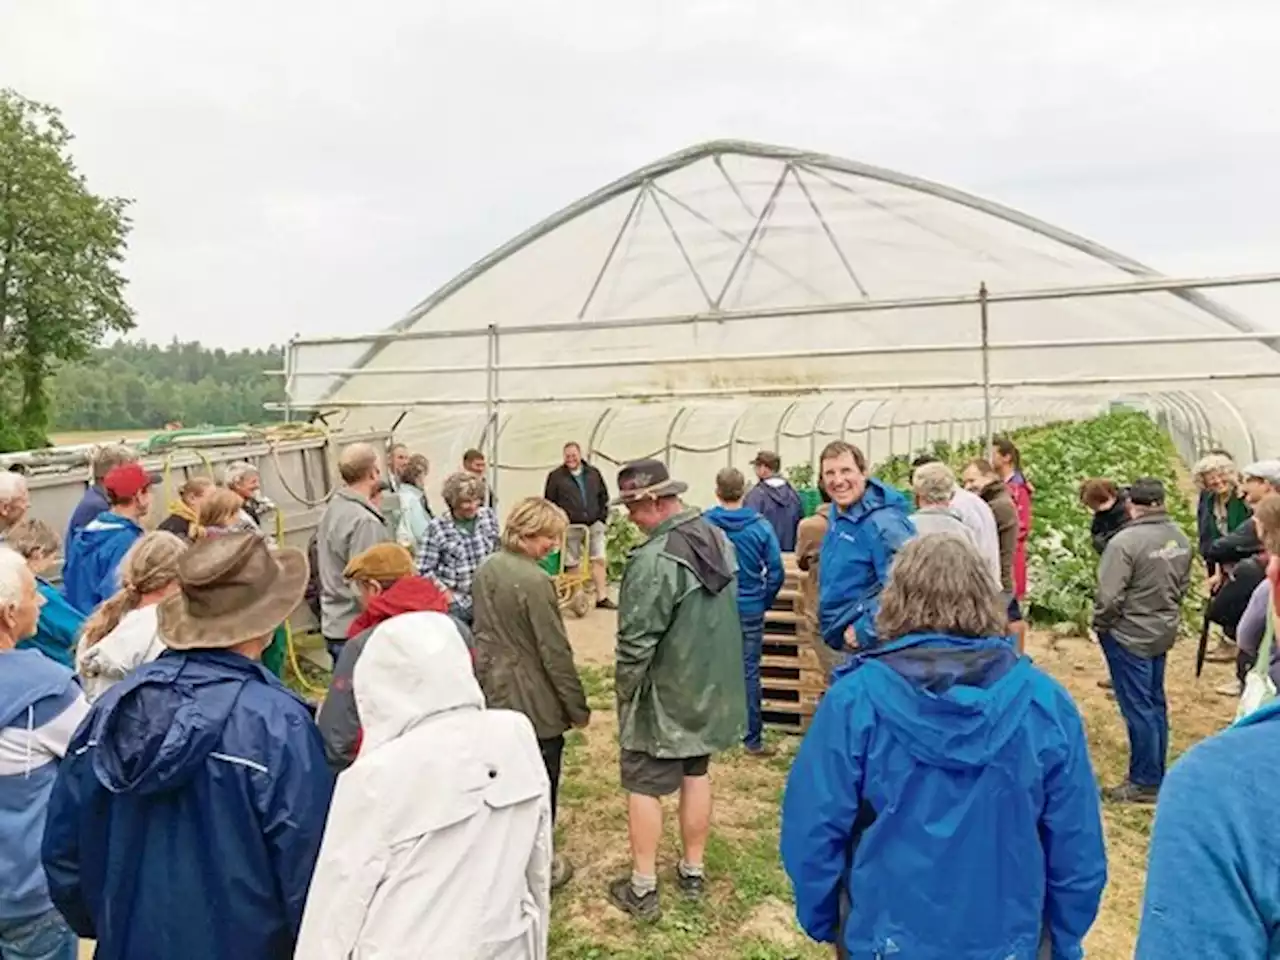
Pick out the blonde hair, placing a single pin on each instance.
(940, 584)
(220, 508)
(194, 487)
(30, 536)
(150, 565)
(533, 517)
(1267, 516)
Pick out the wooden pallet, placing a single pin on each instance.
(792, 674)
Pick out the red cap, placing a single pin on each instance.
(127, 481)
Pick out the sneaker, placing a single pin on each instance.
(561, 871)
(1224, 652)
(1128, 792)
(1232, 689)
(1105, 683)
(762, 751)
(623, 896)
(606, 604)
(691, 887)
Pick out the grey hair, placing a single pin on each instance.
(12, 486)
(940, 584)
(357, 462)
(106, 459)
(934, 483)
(12, 566)
(238, 472)
(462, 486)
(1213, 463)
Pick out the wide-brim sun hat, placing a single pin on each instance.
(646, 480)
(234, 589)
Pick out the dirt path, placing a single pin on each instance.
(593, 637)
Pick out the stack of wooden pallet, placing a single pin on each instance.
(791, 673)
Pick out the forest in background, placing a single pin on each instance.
(139, 385)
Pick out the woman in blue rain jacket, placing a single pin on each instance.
(943, 798)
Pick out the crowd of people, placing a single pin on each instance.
(163, 793)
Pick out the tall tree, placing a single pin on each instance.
(61, 290)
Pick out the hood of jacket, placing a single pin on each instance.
(406, 595)
(778, 490)
(953, 702)
(414, 667)
(877, 496)
(155, 729)
(105, 528)
(692, 541)
(26, 678)
(739, 518)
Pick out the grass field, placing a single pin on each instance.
(75, 437)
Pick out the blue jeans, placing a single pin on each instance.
(752, 643)
(1138, 683)
(335, 648)
(44, 937)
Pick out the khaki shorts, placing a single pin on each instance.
(573, 545)
(652, 776)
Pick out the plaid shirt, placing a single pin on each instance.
(450, 556)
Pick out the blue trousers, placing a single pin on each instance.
(752, 644)
(43, 937)
(1138, 683)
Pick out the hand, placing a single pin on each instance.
(1214, 582)
(584, 724)
(851, 639)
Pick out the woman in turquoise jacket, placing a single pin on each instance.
(60, 622)
(942, 805)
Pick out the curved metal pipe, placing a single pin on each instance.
(595, 431)
(1241, 421)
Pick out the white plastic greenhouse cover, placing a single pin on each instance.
(634, 322)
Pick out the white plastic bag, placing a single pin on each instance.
(1259, 690)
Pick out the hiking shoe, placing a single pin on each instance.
(1105, 683)
(561, 871)
(623, 896)
(606, 604)
(1129, 792)
(1224, 652)
(1232, 689)
(690, 886)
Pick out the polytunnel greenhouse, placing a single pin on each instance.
(735, 296)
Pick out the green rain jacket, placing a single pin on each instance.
(679, 678)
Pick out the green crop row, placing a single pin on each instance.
(1062, 564)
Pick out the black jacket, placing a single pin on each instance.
(1240, 544)
(564, 492)
(1107, 523)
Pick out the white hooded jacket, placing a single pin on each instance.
(438, 843)
(134, 641)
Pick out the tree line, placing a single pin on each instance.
(139, 385)
(62, 294)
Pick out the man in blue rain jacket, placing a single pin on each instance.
(869, 524)
(945, 787)
(188, 813)
(760, 577)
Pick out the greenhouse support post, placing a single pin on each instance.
(983, 313)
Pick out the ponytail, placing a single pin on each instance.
(150, 565)
(108, 616)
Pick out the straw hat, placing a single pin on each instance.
(233, 589)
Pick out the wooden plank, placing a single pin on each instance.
(810, 685)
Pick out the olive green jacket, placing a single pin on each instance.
(523, 658)
(679, 677)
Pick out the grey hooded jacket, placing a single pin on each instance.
(1142, 579)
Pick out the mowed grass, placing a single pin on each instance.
(748, 913)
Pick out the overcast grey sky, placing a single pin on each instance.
(310, 165)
